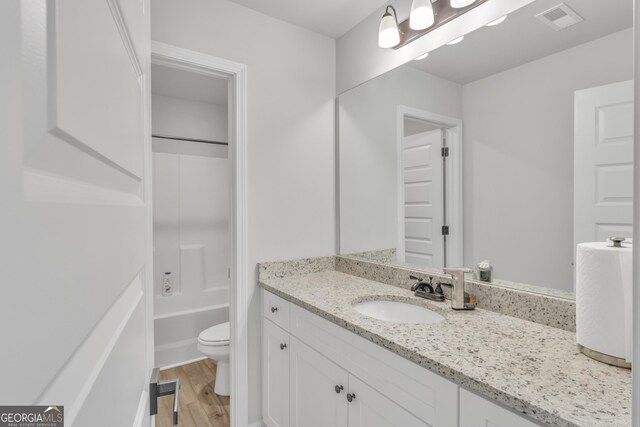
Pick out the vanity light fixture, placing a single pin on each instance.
(426, 16)
(497, 21)
(456, 41)
(418, 58)
(461, 3)
(389, 34)
(421, 16)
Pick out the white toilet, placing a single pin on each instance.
(214, 343)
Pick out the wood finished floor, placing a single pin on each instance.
(199, 405)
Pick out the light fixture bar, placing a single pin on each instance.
(443, 13)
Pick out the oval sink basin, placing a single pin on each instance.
(396, 311)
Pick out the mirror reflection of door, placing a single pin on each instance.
(423, 190)
(603, 163)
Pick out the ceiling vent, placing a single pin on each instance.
(560, 17)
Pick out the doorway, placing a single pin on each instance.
(429, 165)
(199, 146)
(191, 201)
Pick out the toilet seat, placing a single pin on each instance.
(217, 335)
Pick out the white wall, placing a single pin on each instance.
(291, 86)
(189, 119)
(368, 151)
(518, 160)
(359, 58)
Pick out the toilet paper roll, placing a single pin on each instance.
(603, 299)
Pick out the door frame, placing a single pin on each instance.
(453, 192)
(635, 402)
(236, 73)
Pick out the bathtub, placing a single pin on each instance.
(179, 319)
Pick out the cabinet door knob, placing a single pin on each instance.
(283, 346)
(351, 396)
(339, 388)
(274, 309)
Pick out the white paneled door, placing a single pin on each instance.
(74, 191)
(603, 165)
(423, 205)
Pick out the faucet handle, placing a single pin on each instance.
(438, 289)
(454, 270)
(421, 284)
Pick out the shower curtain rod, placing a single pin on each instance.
(204, 141)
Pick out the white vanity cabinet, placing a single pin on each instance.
(319, 374)
(315, 400)
(371, 409)
(323, 394)
(476, 411)
(275, 375)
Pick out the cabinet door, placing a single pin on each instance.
(315, 402)
(371, 409)
(275, 375)
(476, 411)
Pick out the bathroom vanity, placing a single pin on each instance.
(326, 364)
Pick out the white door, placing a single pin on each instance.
(75, 228)
(423, 205)
(315, 401)
(371, 409)
(603, 165)
(478, 412)
(275, 375)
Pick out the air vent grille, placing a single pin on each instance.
(560, 17)
(555, 14)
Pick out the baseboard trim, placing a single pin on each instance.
(197, 359)
(258, 423)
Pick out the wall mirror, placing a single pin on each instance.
(512, 145)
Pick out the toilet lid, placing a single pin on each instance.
(215, 334)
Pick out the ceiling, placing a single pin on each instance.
(332, 18)
(192, 86)
(522, 38)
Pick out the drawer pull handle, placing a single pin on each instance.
(283, 346)
(351, 396)
(339, 388)
(274, 309)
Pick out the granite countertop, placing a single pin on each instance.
(536, 370)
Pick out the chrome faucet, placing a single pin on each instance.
(458, 295)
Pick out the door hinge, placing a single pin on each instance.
(445, 151)
(445, 230)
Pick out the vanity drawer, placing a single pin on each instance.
(276, 309)
(476, 411)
